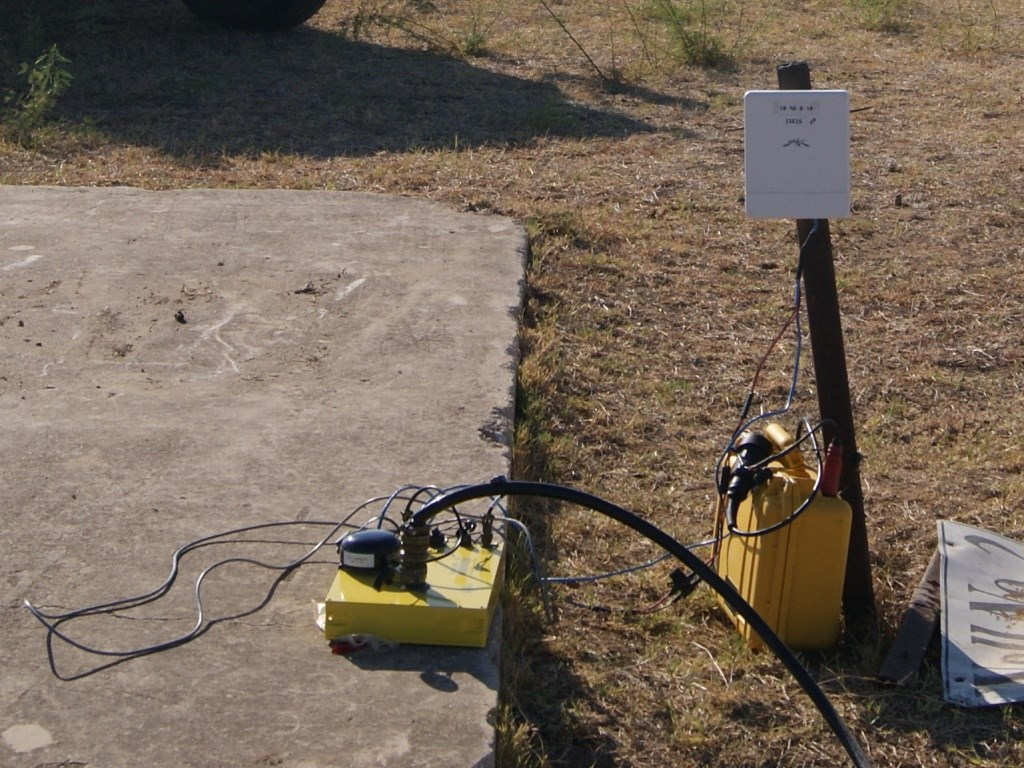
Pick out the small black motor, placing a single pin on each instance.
(368, 550)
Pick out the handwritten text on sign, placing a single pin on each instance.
(982, 616)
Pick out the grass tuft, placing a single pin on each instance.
(46, 80)
(886, 16)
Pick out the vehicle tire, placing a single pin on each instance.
(255, 14)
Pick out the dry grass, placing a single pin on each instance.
(651, 296)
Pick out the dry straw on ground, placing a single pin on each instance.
(651, 296)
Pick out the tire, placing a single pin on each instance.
(255, 14)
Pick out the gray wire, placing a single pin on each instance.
(53, 620)
(797, 354)
(534, 561)
(589, 579)
(573, 580)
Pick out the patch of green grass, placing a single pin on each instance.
(46, 79)
(888, 16)
(977, 27)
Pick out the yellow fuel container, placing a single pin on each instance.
(793, 577)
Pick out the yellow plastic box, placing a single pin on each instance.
(455, 609)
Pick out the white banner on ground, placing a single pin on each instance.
(982, 616)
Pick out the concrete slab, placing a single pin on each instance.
(176, 364)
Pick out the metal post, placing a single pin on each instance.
(832, 380)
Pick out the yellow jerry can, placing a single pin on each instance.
(792, 576)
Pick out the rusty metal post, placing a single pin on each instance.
(832, 380)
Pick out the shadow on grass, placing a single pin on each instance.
(982, 733)
(149, 74)
(964, 735)
(553, 715)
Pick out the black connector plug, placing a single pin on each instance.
(683, 584)
(487, 530)
(746, 475)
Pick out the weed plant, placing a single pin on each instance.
(695, 31)
(46, 79)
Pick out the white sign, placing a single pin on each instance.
(797, 154)
(982, 616)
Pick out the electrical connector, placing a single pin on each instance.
(832, 469)
(487, 530)
(437, 538)
(683, 584)
(746, 473)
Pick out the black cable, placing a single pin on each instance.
(792, 516)
(176, 557)
(451, 550)
(435, 491)
(500, 486)
(116, 659)
(52, 621)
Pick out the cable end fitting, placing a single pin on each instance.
(683, 584)
(487, 530)
(832, 469)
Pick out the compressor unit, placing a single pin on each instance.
(785, 541)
